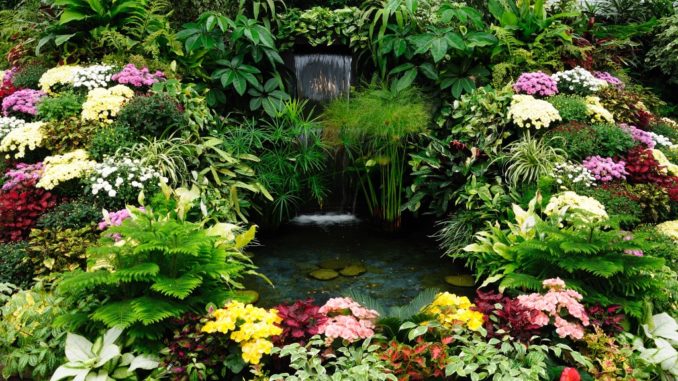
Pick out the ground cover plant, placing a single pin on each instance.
(144, 144)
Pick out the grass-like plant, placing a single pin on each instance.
(528, 159)
(374, 128)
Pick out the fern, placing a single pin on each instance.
(163, 268)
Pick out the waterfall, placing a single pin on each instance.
(322, 77)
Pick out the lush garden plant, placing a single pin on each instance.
(143, 141)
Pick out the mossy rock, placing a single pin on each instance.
(247, 296)
(323, 274)
(463, 280)
(335, 264)
(353, 270)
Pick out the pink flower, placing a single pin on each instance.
(132, 76)
(609, 78)
(22, 176)
(22, 101)
(536, 84)
(639, 135)
(347, 320)
(554, 283)
(605, 169)
(570, 374)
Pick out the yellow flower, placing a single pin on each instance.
(250, 326)
(668, 167)
(569, 206)
(669, 229)
(62, 168)
(102, 105)
(597, 112)
(60, 75)
(451, 310)
(527, 111)
(29, 136)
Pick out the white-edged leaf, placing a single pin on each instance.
(143, 362)
(66, 371)
(78, 348)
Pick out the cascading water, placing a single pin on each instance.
(322, 77)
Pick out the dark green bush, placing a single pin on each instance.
(72, 215)
(658, 245)
(109, 139)
(152, 115)
(28, 77)
(654, 201)
(63, 106)
(66, 135)
(618, 201)
(570, 107)
(581, 141)
(13, 269)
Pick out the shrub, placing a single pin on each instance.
(662, 55)
(59, 250)
(30, 345)
(28, 77)
(152, 115)
(163, 267)
(574, 138)
(66, 135)
(658, 245)
(570, 107)
(13, 268)
(20, 210)
(107, 140)
(71, 215)
(618, 201)
(653, 200)
(64, 105)
(626, 106)
(611, 140)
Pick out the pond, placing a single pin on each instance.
(393, 268)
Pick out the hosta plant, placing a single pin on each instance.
(101, 360)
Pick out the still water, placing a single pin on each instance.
(398, 266)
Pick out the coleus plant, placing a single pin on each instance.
(505, 314)
(301, 321)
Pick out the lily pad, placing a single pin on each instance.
(324, 274)
(353, 270)
(247, 296)
(334, 264)
(463, 280)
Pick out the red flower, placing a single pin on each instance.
(570, 374)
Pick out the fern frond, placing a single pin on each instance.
(139, 273)
(78, 281)
(521, 281)
(368, 302)
(414, 307)
(149, 310)
(179, 288)
(116, 314)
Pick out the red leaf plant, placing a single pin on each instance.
(642, 167)
(301, 320)
(505, 314)
(607, 318)
(422, 361)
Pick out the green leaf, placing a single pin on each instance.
(70, 15)
(179, 288)
(63, 38)
(150, 310)
(438, 49)
(116, 314)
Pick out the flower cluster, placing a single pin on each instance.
(669, 229)
(8, 124)
(61, 168)
(609, 78)
(526, 112)
(665, 165)
(93, 77)
(536, 84)
(22, 175)
(557, 300)
(639, 135)
(598, 112)
(300, 321)
(249, 326)
(347, 320)
(29, 136)
(573, 208)
(102, 105)
(661, 140)
(114, 218)
(578, 81)
(57, 77)
(569, 174)
(627, 236)
(123, 177)
(22, 101)
(131, 75)
(452, 310)
(6, 86)
(605, 169)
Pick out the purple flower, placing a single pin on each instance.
(609, 78)
(132, 76)
(22, 101)
(605, 169)
(22, 175)
(639, 135)
(536, 84)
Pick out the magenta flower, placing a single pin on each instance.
(132, 76)
(22, 175)
(609, 78)
(22, 101)
(605, 169)
(536, 84)
(639, 135)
